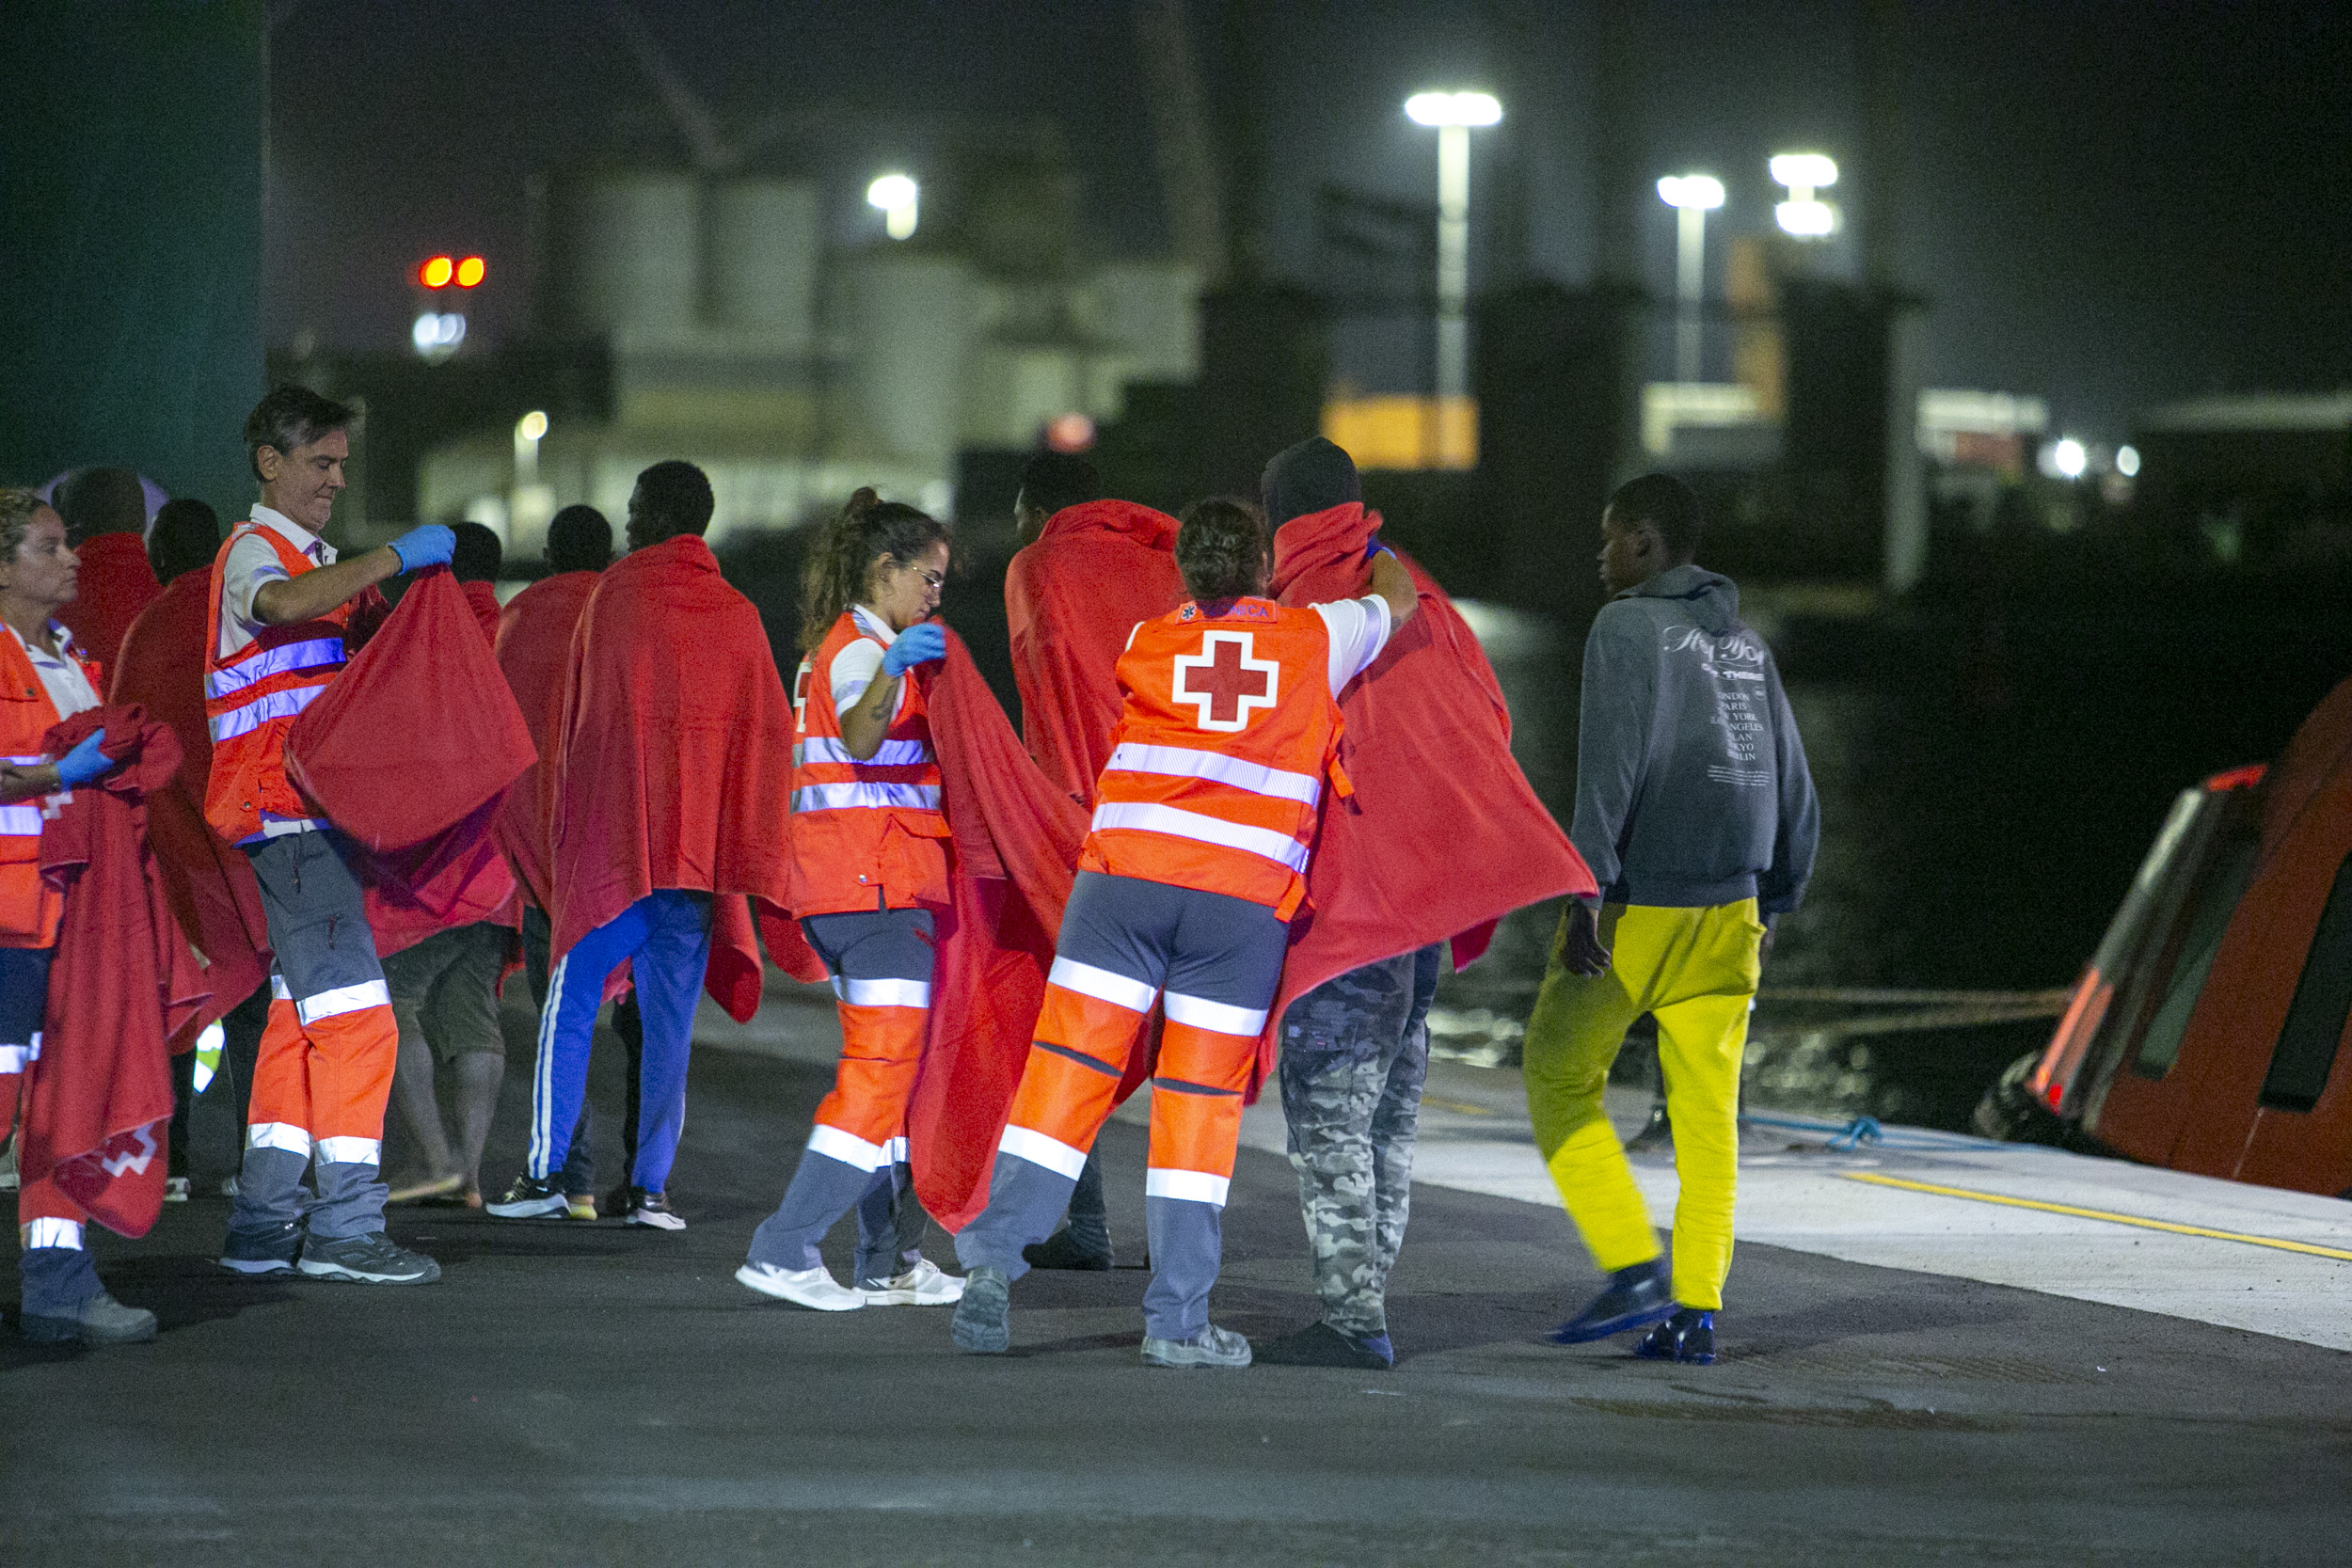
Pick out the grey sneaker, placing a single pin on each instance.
(99, 1321)
(1212, 1347)
(370, 1259)
(983, 1324)
(259, 1252)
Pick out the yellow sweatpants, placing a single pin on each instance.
(1696, 969)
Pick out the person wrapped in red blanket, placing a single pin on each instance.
(669, 796)
(535, 649)
(211, 885)
(1428, 750)
(1088, 572)
(443, 970)
(105, 521)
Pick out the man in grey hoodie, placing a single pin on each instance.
(1694, 810)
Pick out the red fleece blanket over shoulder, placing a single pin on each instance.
(673, 760)
(115, 583)
(1444, 836)
(98, 1098)
(211, 884)
(1016, 848)
(1072, 599)
(534, 650)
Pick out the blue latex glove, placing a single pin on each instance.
(85, 762)
(429, 546)
(1372, 547)
(918, 644)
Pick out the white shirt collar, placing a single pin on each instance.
(294, 533)
(872, 624)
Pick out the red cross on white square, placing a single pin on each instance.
(1224, 684)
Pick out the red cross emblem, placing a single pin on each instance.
(1224, 682)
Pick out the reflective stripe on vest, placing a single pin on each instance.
(1227, 733)
(22, 820)
(862, 831)
(253, 697)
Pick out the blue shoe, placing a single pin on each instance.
(1688, 1335)
(1636, 1297)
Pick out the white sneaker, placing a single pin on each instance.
(811, 1288)
(924, 1285)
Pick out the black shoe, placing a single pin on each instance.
(1321, 1345)
(616, 1204)
(259, 1252)
(99, 1321)
(1688, 1335)
(1658, 1133)
(370, 1259)
(1059, 1251)
(1636, 1297)
(531, 1197)
(983, 1324)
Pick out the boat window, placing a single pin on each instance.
(2169, 983)
(2306, 1052)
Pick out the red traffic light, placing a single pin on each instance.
(470, 272)
(436, 273)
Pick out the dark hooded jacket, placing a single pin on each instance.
(1691, 782)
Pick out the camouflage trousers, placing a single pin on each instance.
(1355, 1052)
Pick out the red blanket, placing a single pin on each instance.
(211, 885)
(673, 759)
(534, 650)
(115, 583)
(418, 732)
(98, 1104)
(1071, 598)
(465, 879)
(1016, 844)
(1444, 836)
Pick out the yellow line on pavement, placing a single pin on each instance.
(2144, 1224)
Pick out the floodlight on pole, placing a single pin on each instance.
(1453, 115)
(1804, 214)
(897, 196)
(1692, 197)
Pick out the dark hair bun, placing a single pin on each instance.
(862, 500)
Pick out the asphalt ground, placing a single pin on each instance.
(595, 1394)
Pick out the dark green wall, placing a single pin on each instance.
(131, 149)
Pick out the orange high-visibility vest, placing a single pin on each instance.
(252, 697)
(865, 835)
(1216, 769)
(29, 907)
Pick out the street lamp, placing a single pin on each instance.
(895, 193)
(1453, 115)
(1692, 197)
(1803, 215)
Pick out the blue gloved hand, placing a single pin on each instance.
(85, 762)
(918, 644)
(1372, 547)
(429, 546)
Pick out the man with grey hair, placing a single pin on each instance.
(280, 602)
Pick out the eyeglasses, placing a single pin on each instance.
(936, 580)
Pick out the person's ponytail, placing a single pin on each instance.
(868, 529)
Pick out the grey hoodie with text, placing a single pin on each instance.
(1691, 783)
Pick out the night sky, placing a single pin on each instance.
(2110, 204)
